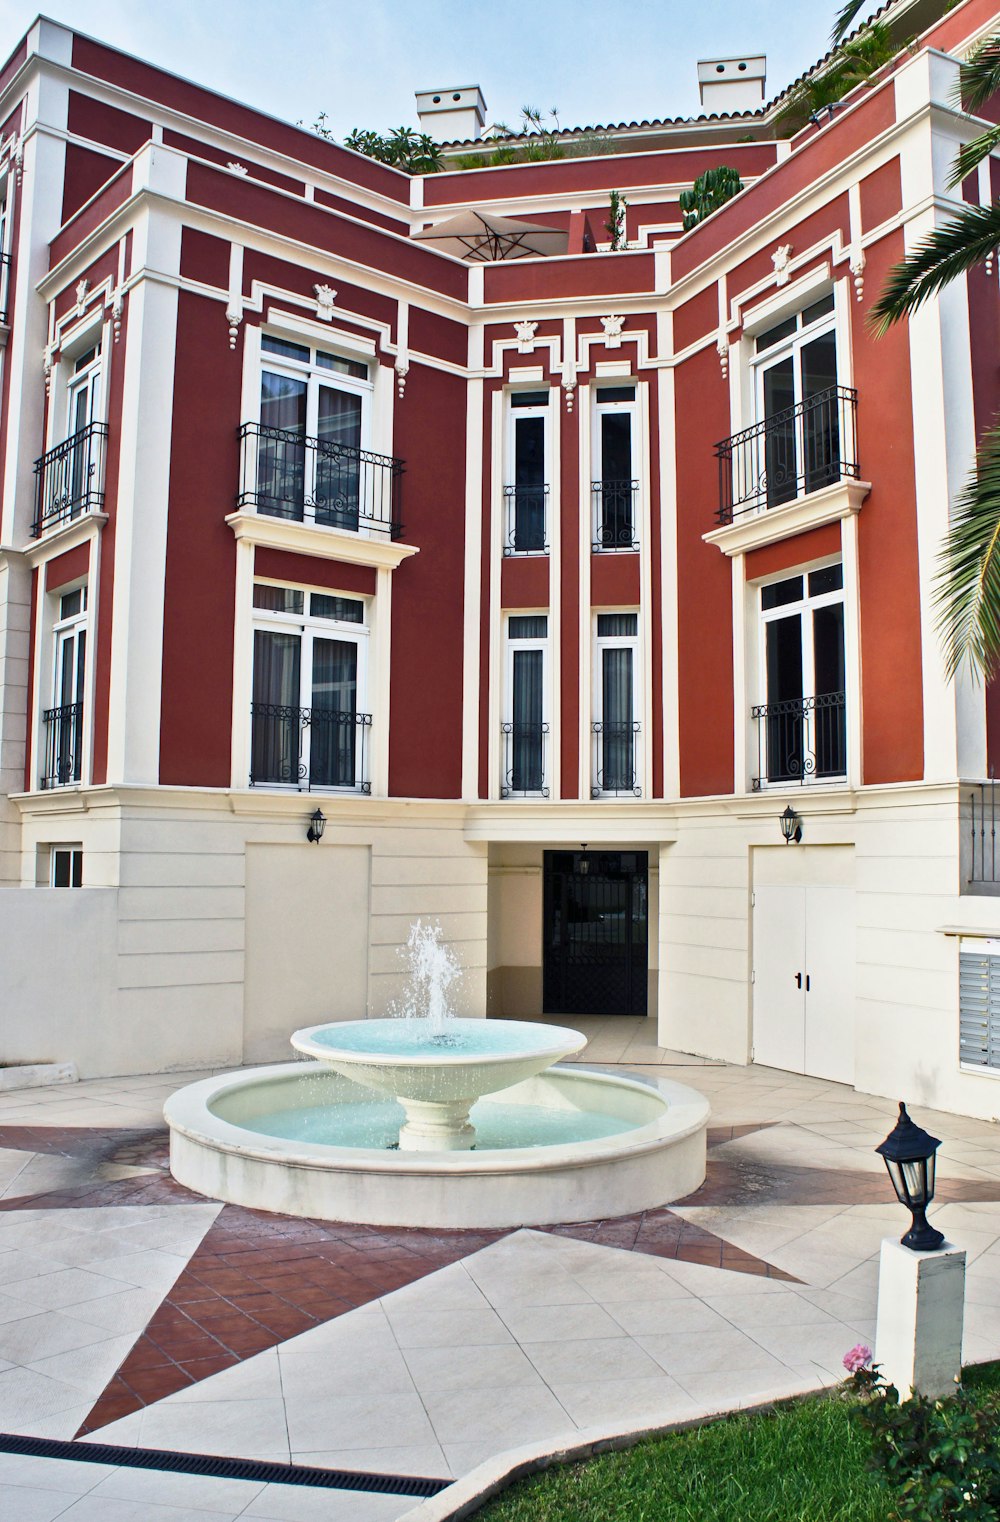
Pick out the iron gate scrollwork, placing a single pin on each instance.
(595, 958)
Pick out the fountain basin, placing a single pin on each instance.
(437, 1077)
(657, 1155)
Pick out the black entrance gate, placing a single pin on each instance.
(595, 951)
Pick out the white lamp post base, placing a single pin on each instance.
(921, 1306)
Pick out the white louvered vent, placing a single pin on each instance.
(979, 1006)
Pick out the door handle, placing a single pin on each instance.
(808, 982)
(798, 980)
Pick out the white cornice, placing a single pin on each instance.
(64, 537)
(769, 525)
(320, 542)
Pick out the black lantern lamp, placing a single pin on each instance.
(909, 1156)
(317, 824)
(791, 825)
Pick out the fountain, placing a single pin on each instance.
(427, 1119)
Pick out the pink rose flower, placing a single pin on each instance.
(858, 1358)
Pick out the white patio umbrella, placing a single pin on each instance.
(477, 235)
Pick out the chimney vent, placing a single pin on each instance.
(453, 114)
(732, 84)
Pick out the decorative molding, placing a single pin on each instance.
(47, 370)
(569, 386)
(722, 349)
(752, 530)
(856, 265)
(525, 336)
(613, 331)
(325, 297)
(19, 163)
(65, 536)
(402, 371)
(237, 168)
(117, 307)
(382, 554)
(233, 317)
(82, 287)
(781, 259)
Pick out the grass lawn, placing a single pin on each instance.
(803, 1463)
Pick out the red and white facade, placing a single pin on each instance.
(299, 511)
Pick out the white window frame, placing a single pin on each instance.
(804, 609)
(64, 631)
(600, 643)
(793, 346)
(75, 851)
(309, 627)
(512, 414)
(599, 410)
(542, 643)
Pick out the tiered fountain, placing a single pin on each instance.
(425, 1119)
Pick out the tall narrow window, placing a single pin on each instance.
(308, 726)
(799, 403)
(62, 723)
(527, 491)
(616, 727)
(615, 486)
(525, 730)
(801, 726)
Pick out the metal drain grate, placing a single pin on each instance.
(222, 1468)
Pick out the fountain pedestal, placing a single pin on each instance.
(437, 1127)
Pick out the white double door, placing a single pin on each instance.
(803, 978)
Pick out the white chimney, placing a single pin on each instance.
(452, 115)
(732, 84)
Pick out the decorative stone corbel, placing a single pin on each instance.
(525, 336)
(325, 297)
(402, 371)
(117, 306)
(236, 168)
(722, 349)
(569, 386)
(857, 268)
(781, 259)
(47, 369)
(19, 162)
(234, 317)
(82, 287)
(613, 331)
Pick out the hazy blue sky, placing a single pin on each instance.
(599, 61)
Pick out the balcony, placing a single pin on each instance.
(5, 268)
(285, 475)
(980, 854)
(789, 455)
(614, 514)
(801, 740)
(526, 520)
(523, 761)
(69, 479)
(62, 744)
(614, 770)
(309, 748)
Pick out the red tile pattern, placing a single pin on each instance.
(663, 1234)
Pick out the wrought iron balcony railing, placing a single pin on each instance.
(526, 520)
(984, 861)
(790, 454)
(801, 740)
(62, 743)
(615, 770)
(524, 760)
(5, 267)
(614, 508)
(309, 748)
(69, 479)
(283, 474)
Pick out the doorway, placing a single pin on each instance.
(595, 955)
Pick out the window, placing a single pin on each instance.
(525, 728)
(614, 488)
(979, 1004)
(308, 725)
(311, 459)
(70, 476)
(801, 725)
(796, 397)
(615, 726)
(62, 723)
(525, 531)
(66, 866)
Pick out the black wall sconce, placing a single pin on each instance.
(791, 826)
(317, 824)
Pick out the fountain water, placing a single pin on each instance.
(428, 1119)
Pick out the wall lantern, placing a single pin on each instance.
(909, 1156)
(583, 864)
(791, 826)
(317, 824)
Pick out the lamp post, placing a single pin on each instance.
(909, 1155)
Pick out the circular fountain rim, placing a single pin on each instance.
(188, 1109)
(304, 1040)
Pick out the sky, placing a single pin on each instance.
(360, 61)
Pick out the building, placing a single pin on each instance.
(301, 510)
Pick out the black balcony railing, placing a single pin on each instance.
(615, 748)
(985, 862)
(69, 479)
(614, 506)
(801, 739)
(336, 755)
(63, 745)
(793, 452)
(4, 287)
(286, 475)
(526, 520)
(524, 747)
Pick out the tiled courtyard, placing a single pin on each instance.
(135, 1313)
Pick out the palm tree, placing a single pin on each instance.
(967, 591)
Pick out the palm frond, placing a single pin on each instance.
(972, 153)
(967, 584)
(949, 251)
(979, 76)
(845, 16)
